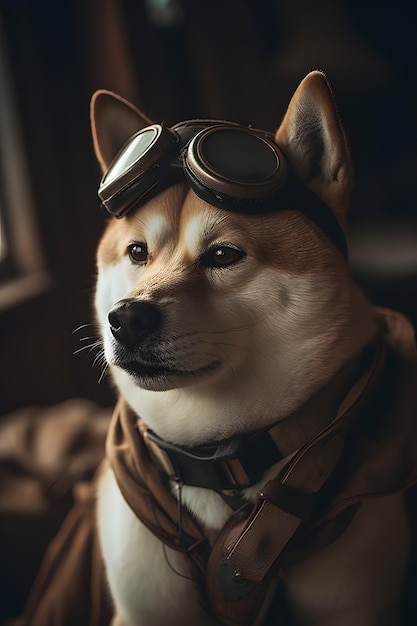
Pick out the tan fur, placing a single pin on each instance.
(277, 325)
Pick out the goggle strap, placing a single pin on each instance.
(318, 212)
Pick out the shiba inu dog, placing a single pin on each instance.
(222, 317)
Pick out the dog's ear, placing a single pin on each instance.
(113, 121)
(312, 137)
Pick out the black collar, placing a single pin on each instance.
(239, 462)
(234, 463)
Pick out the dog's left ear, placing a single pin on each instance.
(312, 137)
(113, 121)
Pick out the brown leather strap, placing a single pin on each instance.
(275, 520)
(302, 426)
(237, 579)
(252, 550)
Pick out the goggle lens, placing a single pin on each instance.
(237, 155)
(133, 151)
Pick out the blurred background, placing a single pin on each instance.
(177, 59)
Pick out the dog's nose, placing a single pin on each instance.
(133, 320)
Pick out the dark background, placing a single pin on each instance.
(237, 60)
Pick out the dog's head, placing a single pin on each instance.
(225, 317)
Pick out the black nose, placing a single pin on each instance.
(133, 320)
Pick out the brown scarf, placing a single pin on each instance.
(146, 491)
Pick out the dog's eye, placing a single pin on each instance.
(138, 252)
(221, 256)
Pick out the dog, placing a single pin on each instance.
(217, 323)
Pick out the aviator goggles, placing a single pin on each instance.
(232, 167)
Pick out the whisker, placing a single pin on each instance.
(233, 329)
(90, 348)
(99, 359)
(93, 343)
(103, 373)
(226, 343)
(80, 328)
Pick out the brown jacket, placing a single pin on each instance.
(379, 457)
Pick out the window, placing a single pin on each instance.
(21, 263)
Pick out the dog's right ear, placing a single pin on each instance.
(313, 139)
(113, 121)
